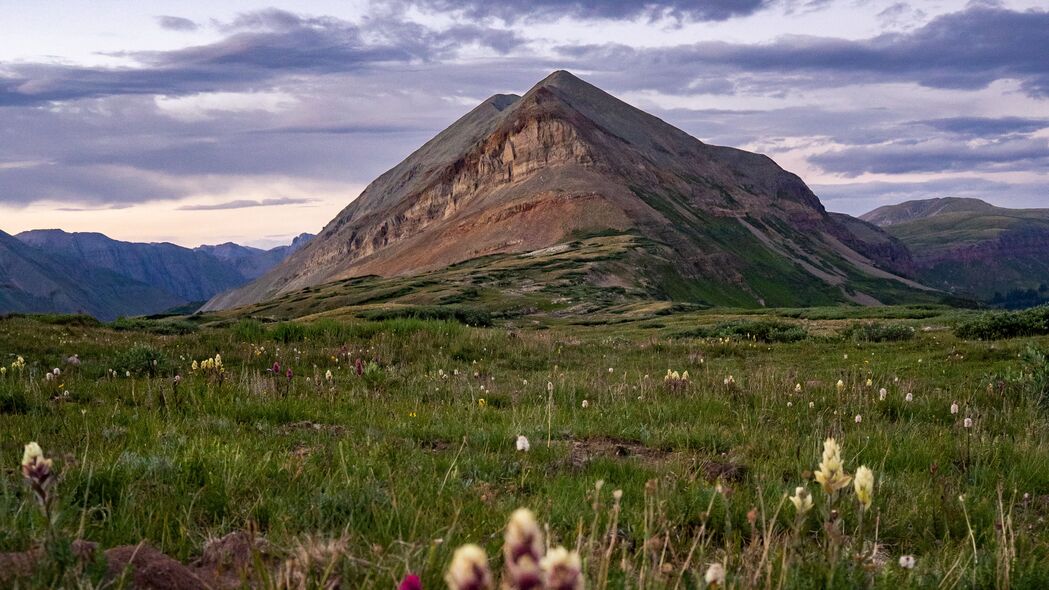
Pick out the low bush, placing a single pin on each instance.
(877, 332)
(759, 330)
(1006, 324)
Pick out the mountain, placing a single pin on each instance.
(969, 246)
(713, 224)
(35, 281)
(188, 274)
(251, 262)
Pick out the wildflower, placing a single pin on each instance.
(482, 402)
(522, 443)
(562, 570)
(864, 485)
(790, 404)
(523, 549)
(968, 423)
(797, 388)
(177, 380)
(586, 404)
(909, 397)
(3, 371)
(48, 376)
(36, 468)
(617, 495)
(195, 366)
(328, 375)
(275, 369)
(73, 360)
(715, 575)
(288, 374)
(730, 381)
(469, 570)
(954, 408)
(845, 356)
(358, 367)
(831, 474)
(870, 382)
(549, 386)
(859, 418)
(610, 369)
(802, 500)
(410, 582)
(812, 405)
(907, 562)
(684, 376)
(57, 372)
(840, 386)
(882, 393)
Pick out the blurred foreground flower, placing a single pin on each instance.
(522, 443)
(469, 570)
(523, 550)
(715, 576)
(802, 500)
(562, 570)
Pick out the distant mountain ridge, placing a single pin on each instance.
(35, 281)
(516, 174)
(969, 246)
(121, 278)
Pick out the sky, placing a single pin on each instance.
(203, 122)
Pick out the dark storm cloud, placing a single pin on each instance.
(937, 156)
(177, 23)
(58, 182)
(247, 204)
(261, 48)
(517, 10)
(962, 50)
(985, 126)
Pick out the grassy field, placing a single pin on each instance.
(409, 448)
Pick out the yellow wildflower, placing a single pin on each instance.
(831, 473)
(864, 486)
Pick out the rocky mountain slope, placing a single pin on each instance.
(567, 160)
(35, 281)
(971, 247)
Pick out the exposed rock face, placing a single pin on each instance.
(971, 247)
(523, 173)
(886, 251)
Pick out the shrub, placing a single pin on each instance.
(760, 330)
(1006, 324)
(877, 332)
(142, 360)
(465, 315)
(163, 328)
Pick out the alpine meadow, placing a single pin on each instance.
(286, 303)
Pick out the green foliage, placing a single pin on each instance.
(759, 330)
(878, 332)
(142, 360)
(1006, 324)
(465, 315)
(163, 327)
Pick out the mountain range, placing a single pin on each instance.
(518, 174)
(56, 271)
(564, 192)
(970, 247)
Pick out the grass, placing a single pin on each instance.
(405, 462)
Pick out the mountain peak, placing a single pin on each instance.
(568, 159)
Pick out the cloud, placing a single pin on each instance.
(938, 155)
(177, 23)
(530, 10)
(986, 126)
(262, 48)
(966, 50)
(245, 204)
